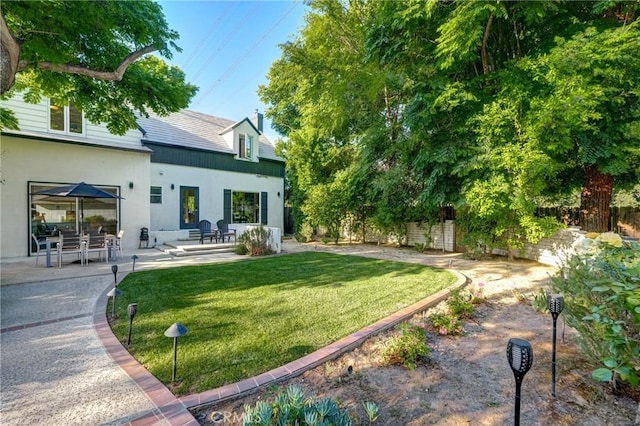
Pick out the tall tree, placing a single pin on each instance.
(577, 117)
(319, 95)
(588, 116)
(486, 105)
(94, 55)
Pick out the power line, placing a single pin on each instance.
(243, 84)
(207, 35)
(246, 53)
(222, 44)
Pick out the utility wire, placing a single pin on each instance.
(244, 56)
(207, 35)
(222, 44)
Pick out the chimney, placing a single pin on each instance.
(257, 120)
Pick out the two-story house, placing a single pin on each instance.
(169, 174)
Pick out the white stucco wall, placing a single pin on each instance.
(211, 184)
(25, 160)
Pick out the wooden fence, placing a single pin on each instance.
(623, 220)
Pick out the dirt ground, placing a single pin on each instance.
(466, 380)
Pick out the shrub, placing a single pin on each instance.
(293, 406)
(256, 241)
(407, 348)
(540, 301)
(240, 248)
(306, 233)
(460, 304)
(601, 289)
(477, 295)
(445, 323)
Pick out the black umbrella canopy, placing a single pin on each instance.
(77, 190)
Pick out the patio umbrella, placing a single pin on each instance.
(80, 190)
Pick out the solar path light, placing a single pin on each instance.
(555, 303)
(132, 309)
(134, 257)
(115, 292)
(176, 330)
(114, 269)
(520, 357)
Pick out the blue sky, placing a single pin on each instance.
(228, 48)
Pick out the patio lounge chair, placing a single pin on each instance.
(205, 231)
(224, 231)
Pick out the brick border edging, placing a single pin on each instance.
(168, 407)
(176, 410)
(312, 360)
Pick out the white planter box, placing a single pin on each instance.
(164, 236)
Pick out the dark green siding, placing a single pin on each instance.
(182, 156)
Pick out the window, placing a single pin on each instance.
(67, 119)
(50, 214)
(156, 195)
(245, 146)
(246, 207)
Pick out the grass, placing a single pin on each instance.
(247, 317)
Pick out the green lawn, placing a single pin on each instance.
(247, 317)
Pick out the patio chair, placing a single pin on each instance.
(70, 244)
(95, 243)
(118, 244)
(40, 246)
(205, 231)
(225, 231)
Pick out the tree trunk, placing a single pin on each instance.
(595, 200)
(9, 57)
(486, 68)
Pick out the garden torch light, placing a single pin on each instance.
(132, 309)
(555, 303)
(176, 330)
(114, 269)
(520, 357)
(113, 294)
(134, 257)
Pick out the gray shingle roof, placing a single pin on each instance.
(196, 130)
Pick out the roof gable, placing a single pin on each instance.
(196, 130)
(233, 126)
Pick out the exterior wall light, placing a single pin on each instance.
(130, 185)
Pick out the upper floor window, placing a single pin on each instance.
(245, 146)
(67, 119)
